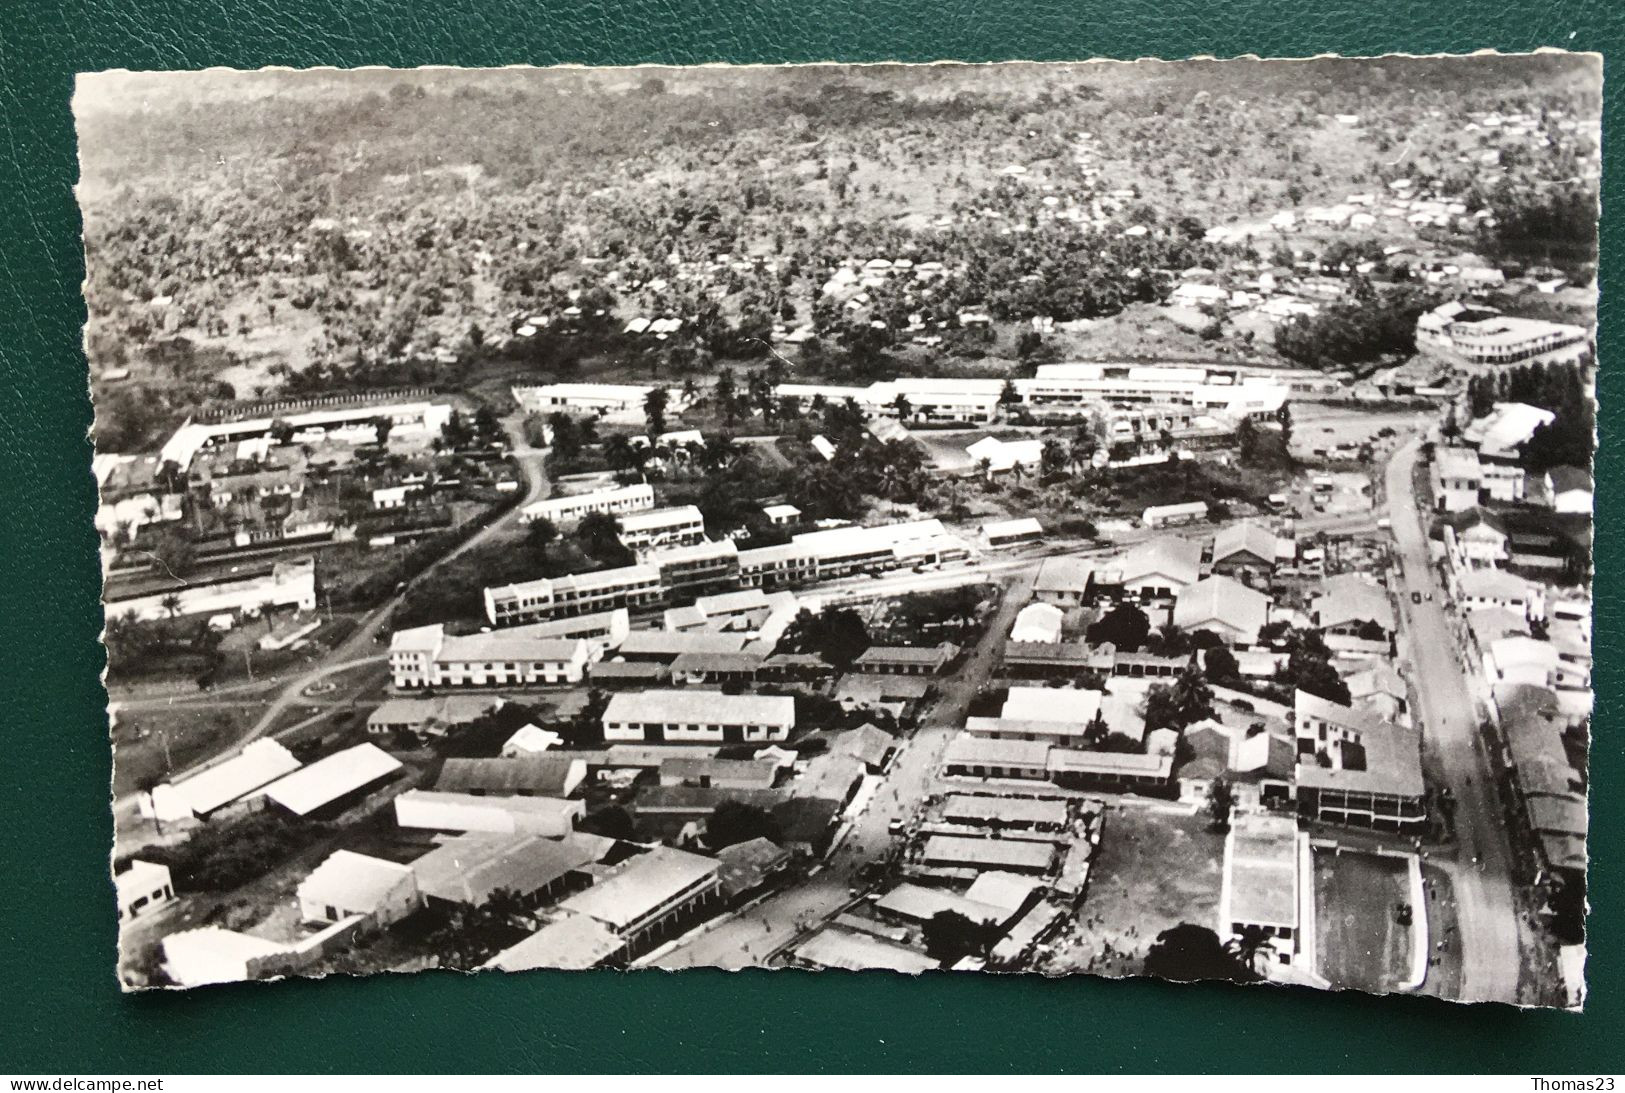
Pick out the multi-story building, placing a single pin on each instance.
(1477, 335)
(698, 717)
(570, 508)
(427, 656)
(632, 586)
(690, 570)
(661, 529)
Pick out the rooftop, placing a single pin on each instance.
(641, 886)
(353, 882)
(700, 707)
(539, 774)
(326, 780)
(1261, 861)
(1077, 706)
(968, 850)
(571, 942)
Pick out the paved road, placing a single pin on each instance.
(745, 939)
(1482, 877)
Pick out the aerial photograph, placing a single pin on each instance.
(1125, 519)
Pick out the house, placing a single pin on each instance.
(1457, 479)
(978, 853)
(867, 744)
(1353, 614)
(1009, 533)
(1479, 589)
(979, 810)
(350, 884)
(1381, 690)
(998, 456)
(530, 776)
(331, 784)
(709, 773)
(1506, 429)
(971, 755)
(1064, 581)
(781, 515)
(1185, 512)
(1260, 891)
(717, 668)
(666, 646)
(1523, 660)
(749, 866)
(1222, 606)
(143, 888)
(1109, 771)
(646, 899)
(906, 660)
(1484, 542)
(1045, 659)
(436, 810)
(429, 716)
(208, 791)
(1247, 551)
(1160, 568)
(1038, 622)
(468, 870)
(1569, 490)
(529, 740)
(213, 954)
(692, 716)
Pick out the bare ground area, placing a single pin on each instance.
(1358, 940)
(1153, 870)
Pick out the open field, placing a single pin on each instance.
(1153, 870)
(1358, 941)
(150, 743)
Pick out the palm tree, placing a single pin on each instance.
(171, 605)
(1249, 946)
(904, 408)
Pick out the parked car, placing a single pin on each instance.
(1416, 597)
(896, 827)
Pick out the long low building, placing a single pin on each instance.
(464, 812)
(426, 419)
(570, 508)
(1039, 760)
(694, 716)
(650, 896)
(427, 656)
(691, 570)
(1059, 387)
(206, 792)
(285, 584)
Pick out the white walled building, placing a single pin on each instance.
(427, 656)
(570, 508)
(698, 717)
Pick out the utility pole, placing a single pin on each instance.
(248, 662)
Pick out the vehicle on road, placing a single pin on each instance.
(1416, 597)
(895, 827)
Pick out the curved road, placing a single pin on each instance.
(1482, 873)
(357, 650)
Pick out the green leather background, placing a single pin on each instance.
(60, 1010)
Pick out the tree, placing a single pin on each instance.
(736, 822)
(599, 534)
(951, 936)
(1219, 664)
(171, 605)
(1221, 799)
(1250, 946)
(1187, 953)
(1008, 395)
(381, 425)
(1125, 626)
(726, 395)
(654, 411)
(904, 408)
(540, 534)
(612, 822)
(1246, 440)
(836, 635)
